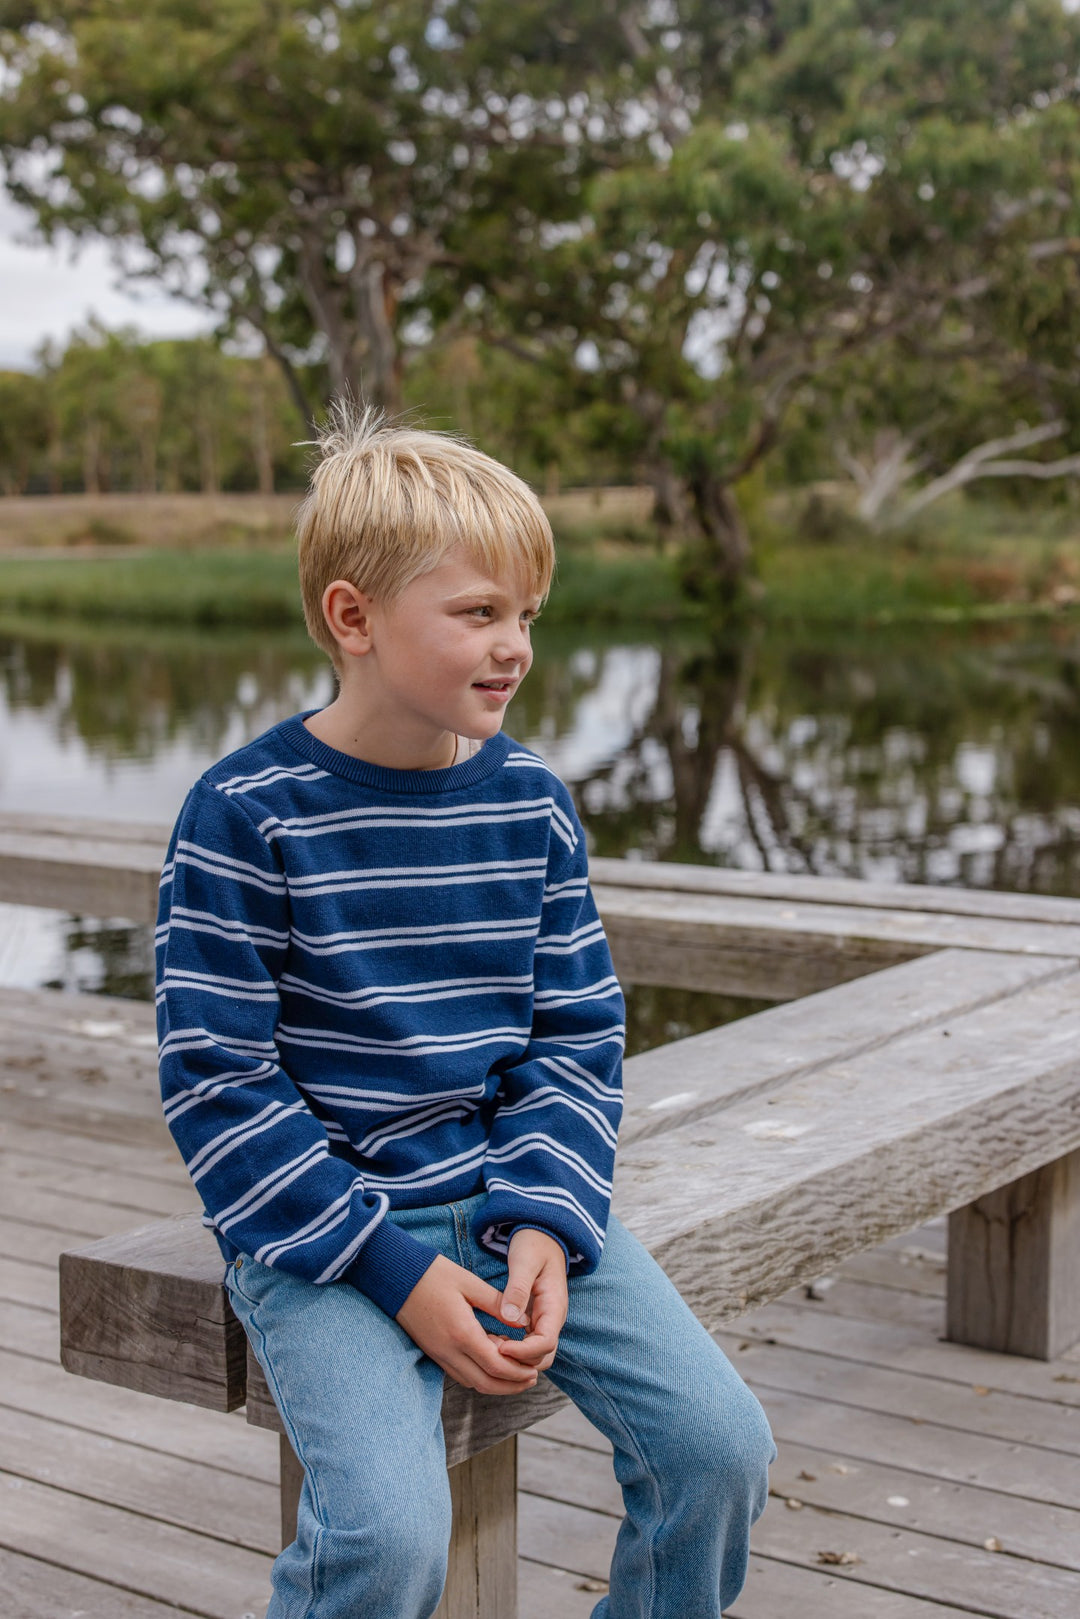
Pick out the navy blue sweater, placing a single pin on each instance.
(381, 989)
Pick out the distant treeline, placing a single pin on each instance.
(111, 411)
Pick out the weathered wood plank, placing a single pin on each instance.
(45, 1140)
(93, 877)
(37, 1589)
(997, 1414)
(923, 1447)
(37, 1245)
(745, 946)
(922, 1565)
(170, 1489)
(145, 1197)
(481, 1579)
(51, 1210)
(903, 1271)
(552, 1593)
(148, 1310)
(1014, 1265)
(41, 1388)
(784, 887)
(688, 1080)
(785, 1591)
(82, 1063)
(843, 1298)
(908, 1346)
(29, 1332)
(832, 1482)
(151, 1559)
(772, 1191)
(27, 1284)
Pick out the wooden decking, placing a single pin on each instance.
(916, 1479)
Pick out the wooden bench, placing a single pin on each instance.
(938, 1074)
(754, 1157)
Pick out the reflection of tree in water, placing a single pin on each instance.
(941, 759)
(107, 958)
(126, 697)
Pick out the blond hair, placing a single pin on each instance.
(386, 504)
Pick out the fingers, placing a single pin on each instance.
(522, 1270)
(481, 1295)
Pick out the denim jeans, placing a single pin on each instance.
(361, 1404)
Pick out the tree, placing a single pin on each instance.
(833, 176)
(299, 168)
(24, 428)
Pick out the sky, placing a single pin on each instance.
(44, 292)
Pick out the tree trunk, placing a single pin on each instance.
(209, 480)
(260, 438)
(718, 555)
(92, 436)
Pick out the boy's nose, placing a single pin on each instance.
(515, 646)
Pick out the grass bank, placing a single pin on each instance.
(967, 563)
(258, 589)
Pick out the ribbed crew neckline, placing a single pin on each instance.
(453, 779)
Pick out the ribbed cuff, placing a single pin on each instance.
(389, 1266)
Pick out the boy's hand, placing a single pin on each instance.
(438, 1316)
(535, 1297)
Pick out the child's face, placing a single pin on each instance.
(450, 651)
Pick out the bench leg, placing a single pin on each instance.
(292, 1482)
(481, 1580)
(1014, 1265)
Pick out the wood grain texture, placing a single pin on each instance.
(481, 1577)
(1014, 1265)
(85, 1064)
(171, 1489)
(688, 1080)
(36, 1589)
(774, 1190)
(757, 947)
(150, 1559)
(148, 1310)
(91, 877)
(677, 877)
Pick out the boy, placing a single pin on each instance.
(391, 1041)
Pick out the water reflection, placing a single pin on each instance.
(944, 757)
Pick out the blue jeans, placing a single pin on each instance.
(361, 1404)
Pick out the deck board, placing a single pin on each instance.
(115, 1505)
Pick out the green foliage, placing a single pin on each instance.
(112, 411)
(707, 227)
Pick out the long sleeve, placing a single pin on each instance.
(258, 1155)
(551, 1150)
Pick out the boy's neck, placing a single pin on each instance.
(345, 727)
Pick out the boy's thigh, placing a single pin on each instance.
(636, 1360)
(360, 1403)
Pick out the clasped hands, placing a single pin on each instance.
(439, 1317)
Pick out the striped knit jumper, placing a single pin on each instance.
(382, 989)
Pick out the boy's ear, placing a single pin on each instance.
(348, 616)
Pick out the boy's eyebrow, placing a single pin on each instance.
(491, 589)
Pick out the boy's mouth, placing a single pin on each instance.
(496, 688)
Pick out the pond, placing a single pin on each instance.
(932, 755)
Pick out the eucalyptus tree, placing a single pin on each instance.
(301, 166)
(832, 178)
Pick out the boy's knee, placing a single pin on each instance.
(729, 1445)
